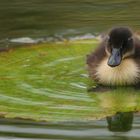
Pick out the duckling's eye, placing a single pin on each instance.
(130, 38)
(130, 42)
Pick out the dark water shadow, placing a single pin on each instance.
(120, 122)
(102, 88)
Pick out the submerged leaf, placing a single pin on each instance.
(50, 82)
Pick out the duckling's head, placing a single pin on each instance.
(120, 45)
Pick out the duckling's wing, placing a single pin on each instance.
(96, 56)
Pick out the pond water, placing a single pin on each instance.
(50, 82)
(123, 126)
(52, 18)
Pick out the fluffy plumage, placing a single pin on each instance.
(116, 61)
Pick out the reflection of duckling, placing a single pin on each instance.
(120, 122)
(117, 60)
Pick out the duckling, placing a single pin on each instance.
(116, 61)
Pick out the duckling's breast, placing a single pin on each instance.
(127, 73)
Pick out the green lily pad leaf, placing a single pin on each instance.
(49, 82)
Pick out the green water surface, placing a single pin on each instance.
(50, 82)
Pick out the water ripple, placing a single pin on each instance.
(61, 60)
(19, 100)
(52, 93)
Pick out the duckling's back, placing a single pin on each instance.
(94, 59)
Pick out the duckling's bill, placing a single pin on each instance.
(115, 58)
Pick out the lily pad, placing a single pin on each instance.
(49, 82)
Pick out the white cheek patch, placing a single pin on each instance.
(127, 73)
